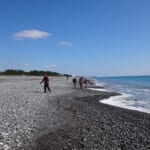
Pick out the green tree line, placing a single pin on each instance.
(31, 73)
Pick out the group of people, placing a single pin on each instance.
(82, 81)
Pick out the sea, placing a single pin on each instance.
(134, 90)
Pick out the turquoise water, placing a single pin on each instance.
(135, 91)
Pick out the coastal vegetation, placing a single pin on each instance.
(31, 73)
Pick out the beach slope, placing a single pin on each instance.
(66, 118)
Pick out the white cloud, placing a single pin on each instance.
(65, 43)
(31, 34)
(54, 65)
(50, 66)
(27, 65)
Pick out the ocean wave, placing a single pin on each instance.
(99, 89)
(126, 101)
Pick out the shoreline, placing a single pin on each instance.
(93, 125)
(120, 100)
(67, 118)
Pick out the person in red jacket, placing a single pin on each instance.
(46, 83)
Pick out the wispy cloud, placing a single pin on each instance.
(31, 34)
(54, 65)
(50, 66)
(65, 43)
(27, 65)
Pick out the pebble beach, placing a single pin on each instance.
(66, 118)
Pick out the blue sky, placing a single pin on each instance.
(87, 37)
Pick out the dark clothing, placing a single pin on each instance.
(74, 82)
(46, 86)
(46, 83)
(45, 79)
(81, 82)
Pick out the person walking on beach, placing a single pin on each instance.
(46, 83)
(67, 76)
(81, 82)
(74, 82)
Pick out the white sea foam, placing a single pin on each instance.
(133, 97)
(98, 89)
(123, 102)
(99, 83)
(144, 90)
